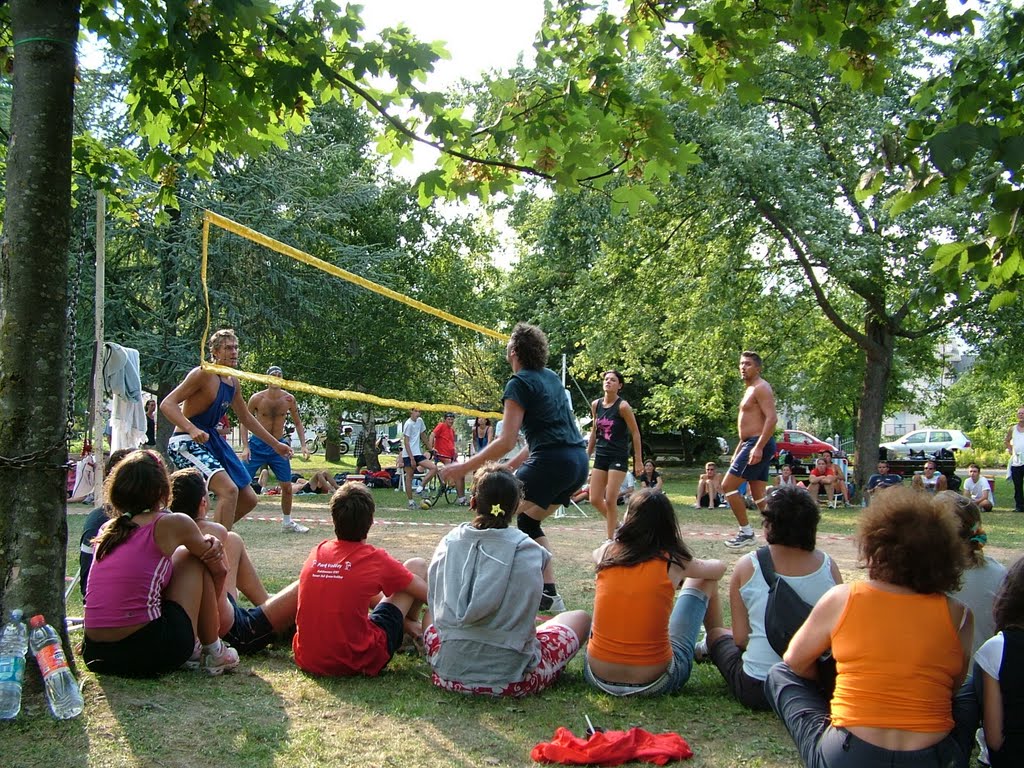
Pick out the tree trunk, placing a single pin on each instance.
(370, 453)
(879, 354)
(33, 307)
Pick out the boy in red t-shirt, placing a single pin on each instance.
(340, 581)
(442, 442)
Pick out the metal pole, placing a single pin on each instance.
(97, 382)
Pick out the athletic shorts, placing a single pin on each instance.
(748, 691)
(756, 472)
(251, 631)
(618, 463)
(209, 458)
(553, 475)
(390, 618)
(558, 644)
(261, 454)
(418, 459)
(160, 647)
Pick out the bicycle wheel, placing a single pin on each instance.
(342, 448)
(431, 493)
(450, 494)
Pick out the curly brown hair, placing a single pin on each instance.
(530, 345)
(909, 540)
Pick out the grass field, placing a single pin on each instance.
(270, 714)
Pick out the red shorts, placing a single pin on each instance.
(558, 644)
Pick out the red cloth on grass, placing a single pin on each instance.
(612, 748)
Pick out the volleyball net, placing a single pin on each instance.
(211, 219)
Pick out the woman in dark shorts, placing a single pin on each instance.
(554, 462)
(154, 582)
(613, 424)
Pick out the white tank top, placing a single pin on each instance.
(1018, 447)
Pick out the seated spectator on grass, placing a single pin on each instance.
(341, 579)
(248, 630)
(786, 478)
(821, 480)
(839, 470)
(626, 489)
(643, 637)
(154, 582)
(94, 522)
(901, 644)
(930, 479)
(485, 585)
(881, 480)
(709, 488)
(320, 482)
(983, 576)
(743, 654)
(999, 676)
(978, 488)
(651, 477)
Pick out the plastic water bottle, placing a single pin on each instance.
(62, 691)
(13, 645)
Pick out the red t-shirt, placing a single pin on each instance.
(828, 471)
(333, 632)
(444, 440)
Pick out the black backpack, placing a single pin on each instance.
(784, 613)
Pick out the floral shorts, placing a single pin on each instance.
(558, 644)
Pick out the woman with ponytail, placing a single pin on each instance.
(983, 576)
(484, 583)
(154, 582)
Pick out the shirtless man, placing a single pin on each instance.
(709, 487)
(194, 407)
(755, 450)
(270, 406)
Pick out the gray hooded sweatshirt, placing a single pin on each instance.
(483, 589)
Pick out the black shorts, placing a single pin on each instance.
(617, 462)
(749, 691)
(251, 631)
(160, 647)
(553, 475)
(388, 617)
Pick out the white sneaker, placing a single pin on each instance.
(292, 527)
(411, 504)
(219, 663)
(551, 603)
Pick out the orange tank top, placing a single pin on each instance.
(896, 658)
(631, 610)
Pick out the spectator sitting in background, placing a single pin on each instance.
(839, 469)
(94, 522)
(709, 488)
(786, 478)
(929, 480)
(883, 479)
(650, 477)
(626, 489)
(978, 489)
(822, 478)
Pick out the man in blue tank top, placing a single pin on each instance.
(194, 407)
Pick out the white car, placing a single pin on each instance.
(928, 441)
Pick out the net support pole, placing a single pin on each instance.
(96, 416)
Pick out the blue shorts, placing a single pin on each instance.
(416, 460)
(553, 475)
(251, 631)
(211, 457)
(261, 454)
(389, 617)
(755, 472)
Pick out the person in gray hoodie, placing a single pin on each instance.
(484, 583)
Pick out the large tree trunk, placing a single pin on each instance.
(33, 306)
(370, 453)
(879, 352)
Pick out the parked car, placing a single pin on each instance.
(928, 441)
(801, 445)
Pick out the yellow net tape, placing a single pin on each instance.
(298, 386)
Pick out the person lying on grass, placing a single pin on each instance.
(485, 584)
(154, 582)
(340, 581)
(248, 630)
(643, 637)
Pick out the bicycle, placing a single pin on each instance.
(437, 488)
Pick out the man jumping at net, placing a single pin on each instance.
(755, 450)
(194, 407)
(270, 406)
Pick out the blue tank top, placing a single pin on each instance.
(209, 418)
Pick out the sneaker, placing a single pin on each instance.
(411, 504)
(292, 527)
(700, 650)
(462, 502)
(741, 539)
(551, 603)
(197, 655)
(219, 663)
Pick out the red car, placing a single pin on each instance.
(801, 445)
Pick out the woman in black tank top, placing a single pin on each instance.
(613, 425)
